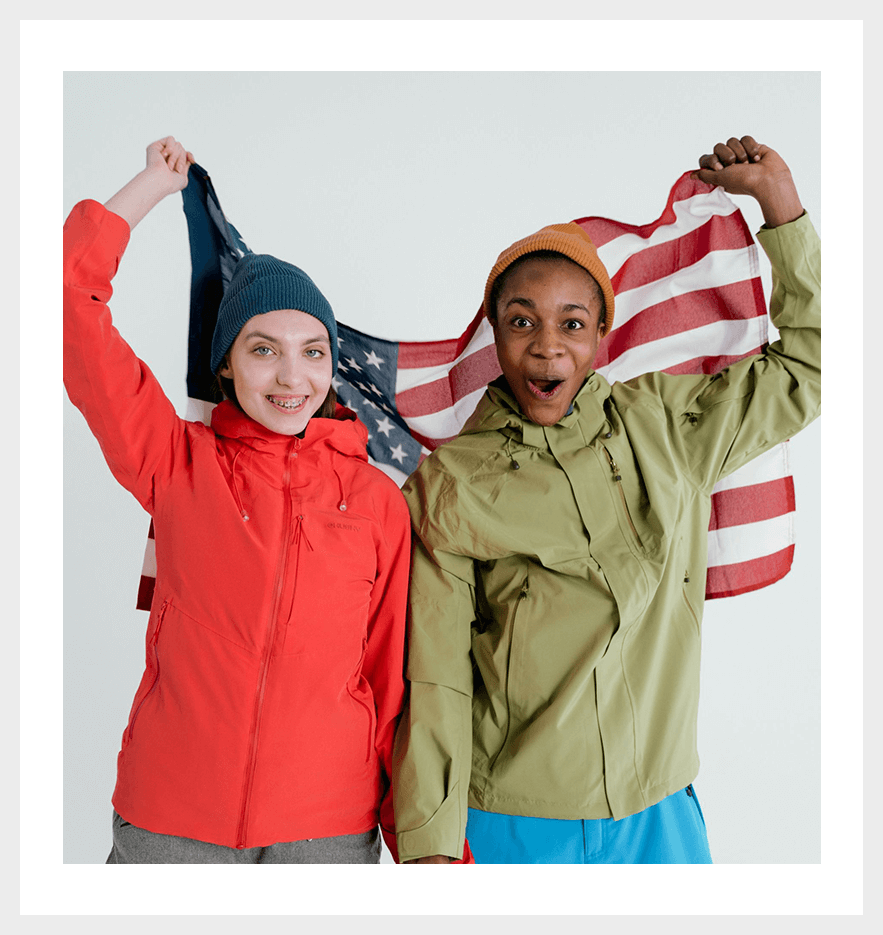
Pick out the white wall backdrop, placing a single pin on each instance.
(396, 190)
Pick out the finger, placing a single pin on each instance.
(714, 160)
(726, 155)
(709, 176)
(752, 148)
(709, 161)
(738, 149)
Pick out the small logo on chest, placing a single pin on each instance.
(348, 526)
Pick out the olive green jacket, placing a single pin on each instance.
(556, 605)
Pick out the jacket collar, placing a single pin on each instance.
(498, 409)
(344, 433)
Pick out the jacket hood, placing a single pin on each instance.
(498, 409)
(344, 433)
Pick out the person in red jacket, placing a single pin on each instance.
(262, 729)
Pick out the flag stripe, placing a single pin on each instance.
(751, 575)
(414, 354)
(716, 237)
(734, 544)
(756, 502)
(690, 204)
(464, 378)
(715, 271)
(416, 376)
(771, 465)
(673, 316)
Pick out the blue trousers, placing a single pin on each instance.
(670, 832)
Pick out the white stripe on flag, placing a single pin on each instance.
(446, 422)
(407, 379)
(690, 215)
(737, 338)
(720, 268)
(734, 544)
(771, 465)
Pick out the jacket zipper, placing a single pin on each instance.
(617, 477)
(268, 649)
(153, 684)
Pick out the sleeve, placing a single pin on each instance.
(723, 420)
(433, 753)
(383, 665)
(123, 403)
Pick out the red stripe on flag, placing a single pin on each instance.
(435, 353)
(729, 580)
(472, 373)
(427, 442)
(752, 503)
(603, 230)
(680, 314)
(664, 259)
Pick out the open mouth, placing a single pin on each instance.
(544, 389)
(288, 403)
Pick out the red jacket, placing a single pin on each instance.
(274, 672)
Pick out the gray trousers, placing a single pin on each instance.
(133, 845)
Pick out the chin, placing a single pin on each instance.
(545, 419)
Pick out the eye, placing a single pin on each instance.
(519, 321)
(262, 350)
(573, 324)
(315, 352)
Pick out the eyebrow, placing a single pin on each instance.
(316, 339)
(528, 303)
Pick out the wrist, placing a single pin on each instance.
(780, 203)
(139, 196)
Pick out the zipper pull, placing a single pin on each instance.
(300, 531)
(614, 469)
(525, 588)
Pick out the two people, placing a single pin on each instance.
(552, 666)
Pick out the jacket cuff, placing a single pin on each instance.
(444, 833)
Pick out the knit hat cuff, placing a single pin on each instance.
(571, 241)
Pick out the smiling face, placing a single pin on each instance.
(280, 365)
(547, 331)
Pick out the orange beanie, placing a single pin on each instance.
(572, 241)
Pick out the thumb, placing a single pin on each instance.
(709, 176)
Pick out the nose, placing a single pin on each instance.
(289, 373)
(546, 342)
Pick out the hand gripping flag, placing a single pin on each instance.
(688, 300)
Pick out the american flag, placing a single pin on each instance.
(688, 300)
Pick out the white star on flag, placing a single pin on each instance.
(373, 359)
(397, 453)
(385, 426)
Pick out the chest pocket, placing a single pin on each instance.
(332, 569)
(630, 499)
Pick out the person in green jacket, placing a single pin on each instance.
(559, 560)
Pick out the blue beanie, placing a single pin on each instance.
(260, 284)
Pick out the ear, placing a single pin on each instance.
(225, 371)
